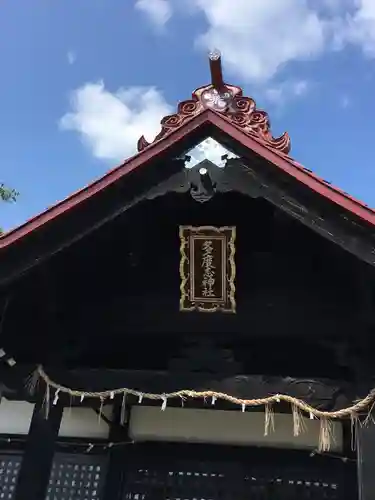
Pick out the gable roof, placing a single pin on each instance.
(227, 111)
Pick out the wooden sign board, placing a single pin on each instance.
(207, 268)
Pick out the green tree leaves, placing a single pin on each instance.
(7, 195)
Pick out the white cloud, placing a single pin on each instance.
(300, 87)
(259, 37)
(279, 93)
(362, 26)
(111, 123)
(159, 11)
(71, 57)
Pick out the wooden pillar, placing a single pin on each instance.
(366, 461)
(39, 451)
(117, 456)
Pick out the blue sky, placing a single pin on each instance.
(82, 80)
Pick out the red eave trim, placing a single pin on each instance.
(132, 163)
(295, 170)
(279, 160)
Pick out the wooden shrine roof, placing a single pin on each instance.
(216, 109)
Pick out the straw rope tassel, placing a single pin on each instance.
(32, 382)
(70, 405)
(325, 435)
(298, 422)
(354, 424)
(269, 420)
(46, 401)
(100, 410)
(370, 417)
(123, 410)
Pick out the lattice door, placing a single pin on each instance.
(76, 477)
(73, 477)
(168, 475)
(9, 469)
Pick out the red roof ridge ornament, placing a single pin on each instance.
(228, 101)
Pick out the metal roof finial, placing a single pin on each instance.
(216, 69)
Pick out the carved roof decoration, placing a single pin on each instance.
(228, 101)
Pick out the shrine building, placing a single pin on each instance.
(197, 324)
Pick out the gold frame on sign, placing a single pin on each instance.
(188, 301)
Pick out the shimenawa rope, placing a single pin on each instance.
(298, 406)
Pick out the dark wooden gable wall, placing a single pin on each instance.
(112, 299)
